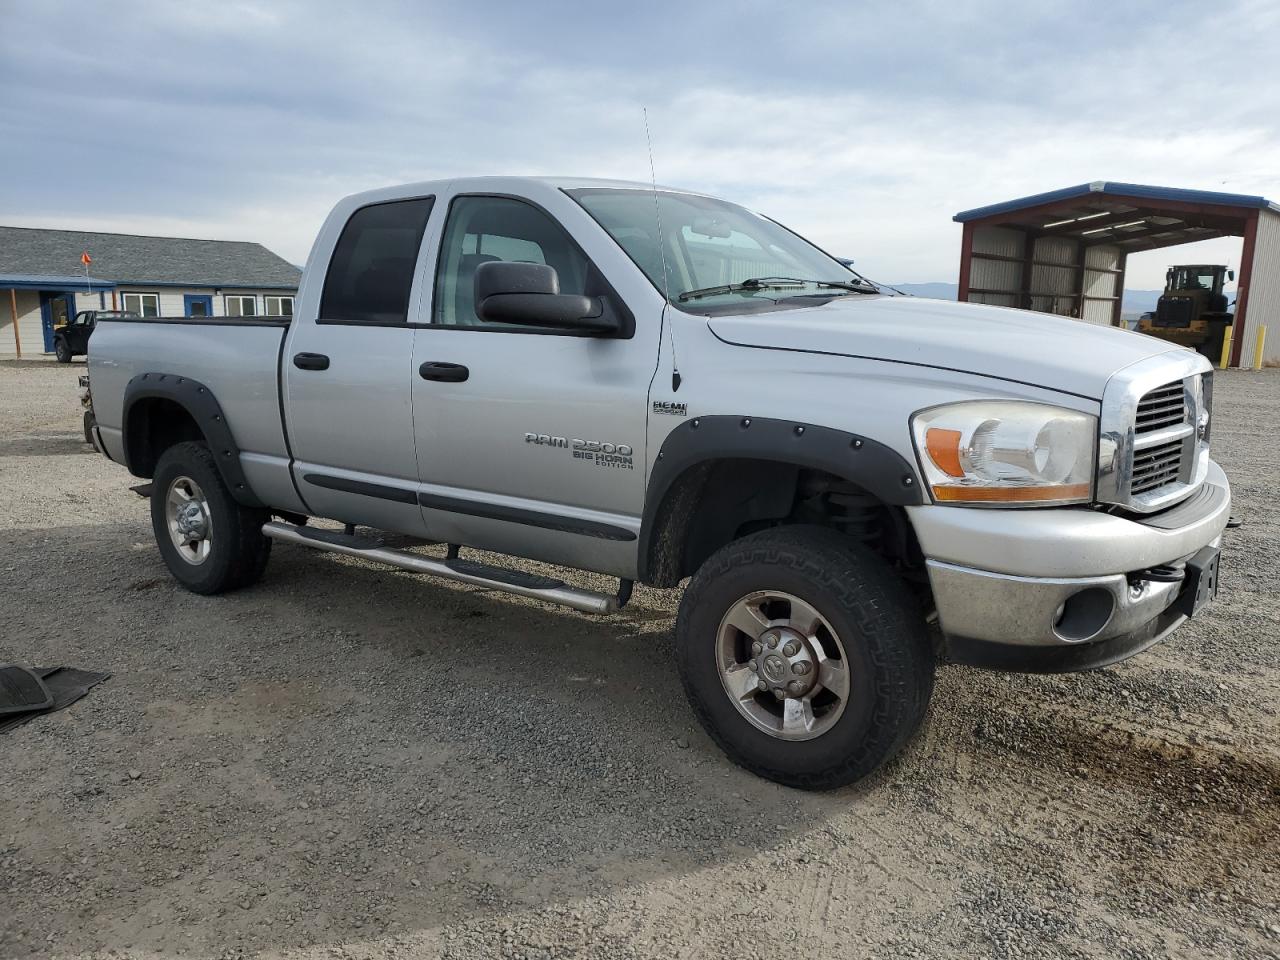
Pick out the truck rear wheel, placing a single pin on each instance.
(803, 657)
(210, 543)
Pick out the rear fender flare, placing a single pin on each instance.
(200, 402)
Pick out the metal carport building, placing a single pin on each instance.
(1064, 251)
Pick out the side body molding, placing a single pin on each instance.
(878, 469)
(198, 401)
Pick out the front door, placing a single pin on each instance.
(529, 442)
(197, 305)
(56, 312)
(347, 376)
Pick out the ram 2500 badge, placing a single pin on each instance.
(662, 386)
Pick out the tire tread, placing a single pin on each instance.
(245, 557)
(885, 615)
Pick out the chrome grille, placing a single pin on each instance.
(1154, 432)
(1160, 438)
(1162, 407)
(1156, 466)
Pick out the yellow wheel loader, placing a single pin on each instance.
(1193, 310)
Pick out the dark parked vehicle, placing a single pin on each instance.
(72, 339)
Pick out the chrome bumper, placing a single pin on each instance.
(1028, 581)
(1044, 611)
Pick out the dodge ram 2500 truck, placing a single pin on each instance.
(658, 386)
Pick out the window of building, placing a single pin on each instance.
(483, 229)
(371, 272)
(278, 306)
(241, 305)
(143, 304)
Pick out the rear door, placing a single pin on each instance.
(347, 372)
(530, 441)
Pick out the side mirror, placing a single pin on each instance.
(529, 294)
(1231, 274)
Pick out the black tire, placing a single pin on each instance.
(882, 630)
(238, 551)
(62, 350)
(88, 427)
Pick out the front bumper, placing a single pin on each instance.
(1054, 590)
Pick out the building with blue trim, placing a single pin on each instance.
(44, 283)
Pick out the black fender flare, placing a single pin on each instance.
(200, 402)
(879, 469)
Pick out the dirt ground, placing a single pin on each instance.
(348, 762)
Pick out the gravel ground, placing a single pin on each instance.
(347, 762)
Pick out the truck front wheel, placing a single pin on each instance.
(210, 543)
(62, 350)
(803, 657)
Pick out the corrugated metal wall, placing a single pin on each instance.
(1000, 241)
(994, 277)
(1101, 281)
(1263, 303)
(1055, 282)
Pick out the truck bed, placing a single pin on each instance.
(238, 360)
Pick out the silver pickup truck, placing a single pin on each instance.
(660, 386)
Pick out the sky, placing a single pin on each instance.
(864, 126)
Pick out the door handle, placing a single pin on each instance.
(447, 372)
(311, 361)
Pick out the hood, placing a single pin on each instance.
(1042, 349)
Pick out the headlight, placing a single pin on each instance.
(1006, 453)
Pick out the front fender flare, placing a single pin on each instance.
(877, 468)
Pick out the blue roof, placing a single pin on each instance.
(1142, 190)
(34, 281)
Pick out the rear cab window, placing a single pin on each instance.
(371, 271)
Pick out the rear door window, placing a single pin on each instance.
(371, 272)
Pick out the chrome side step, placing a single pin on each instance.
(464, 571)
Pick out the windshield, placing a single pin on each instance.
(716, 252)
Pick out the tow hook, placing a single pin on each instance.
(1161, 573)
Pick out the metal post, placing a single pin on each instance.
(13, 309)
(1226, 348)
(1257, 347)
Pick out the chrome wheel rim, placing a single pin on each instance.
(782, 665)
(187, 517)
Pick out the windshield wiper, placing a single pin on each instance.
(763, 283)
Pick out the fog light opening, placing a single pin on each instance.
(1084, 615)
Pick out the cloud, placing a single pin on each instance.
(863, 127)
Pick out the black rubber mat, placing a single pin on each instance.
(21, 690)
(64, 685)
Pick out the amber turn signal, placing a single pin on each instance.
(944, 450)
(965, 494)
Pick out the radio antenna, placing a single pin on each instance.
(662, 255)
